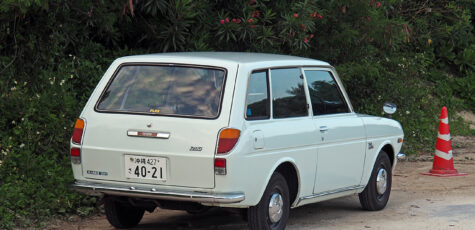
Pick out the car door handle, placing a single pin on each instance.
(323, 129)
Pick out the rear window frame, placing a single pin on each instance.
(114, 75)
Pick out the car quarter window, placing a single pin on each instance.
(288, 93)
(325, 94)
(258, 96)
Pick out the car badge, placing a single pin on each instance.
(370, 145)
(149, 124)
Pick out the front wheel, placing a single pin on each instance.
(272, 211)
(376, 194)
(121, 214)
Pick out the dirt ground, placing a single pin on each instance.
(416, 202)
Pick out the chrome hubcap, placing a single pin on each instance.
(382, 181)
(275, 207)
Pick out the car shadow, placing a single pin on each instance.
(218, 218)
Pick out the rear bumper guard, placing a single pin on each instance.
(97, 189)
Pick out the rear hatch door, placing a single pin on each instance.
(157, 124)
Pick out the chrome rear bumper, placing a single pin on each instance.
(97, 189)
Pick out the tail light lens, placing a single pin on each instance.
(75, 155)
(227, 139)
(77, 140)
(220, 166)
(78, 131)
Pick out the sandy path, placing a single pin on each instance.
(416, 202)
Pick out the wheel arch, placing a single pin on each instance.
(388, 148)
(287, 168)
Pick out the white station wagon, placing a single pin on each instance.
(258, 132)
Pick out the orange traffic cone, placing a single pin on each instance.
(443, 165)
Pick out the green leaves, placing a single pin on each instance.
(466, 59)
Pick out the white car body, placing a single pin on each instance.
(332, 155)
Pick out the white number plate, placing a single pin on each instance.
(144, 167)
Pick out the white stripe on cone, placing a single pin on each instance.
(445, 137)
(446, 156)
(445, 120)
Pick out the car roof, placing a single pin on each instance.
(234, 57)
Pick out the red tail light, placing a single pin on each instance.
(227, 139)
(75, 152)
(77, 140)
(78, 131)
(76, 155)
(220, 166)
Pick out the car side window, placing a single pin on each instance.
(288, 93)
(325, 94)
(258, 96)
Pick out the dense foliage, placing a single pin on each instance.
(417, 54)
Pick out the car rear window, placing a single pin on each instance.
(164, 90)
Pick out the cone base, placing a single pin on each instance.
(442, 174)
(443, 171)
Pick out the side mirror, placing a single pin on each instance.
(389, 108)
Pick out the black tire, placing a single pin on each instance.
(370, 198)
(122, 215)
(258, 216)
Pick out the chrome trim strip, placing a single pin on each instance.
(97, 189)
(329, 193)
(152, 134)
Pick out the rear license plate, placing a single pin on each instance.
(145, 167)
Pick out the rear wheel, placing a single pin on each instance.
(376, 194)
(121, 214)
(272, 211)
